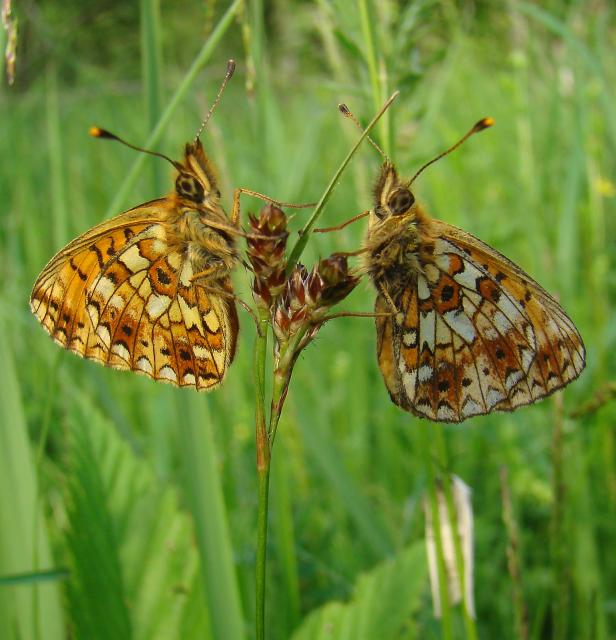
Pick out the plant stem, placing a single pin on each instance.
(263, 469)
(263, 476)
(297, 250)
(446, 627)
(469, 623)
(513, 558)
(560, 606)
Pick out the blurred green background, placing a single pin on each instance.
(128, 508)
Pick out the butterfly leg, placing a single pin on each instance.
(387, 297)
(359, 216)
(231, 296)
(355, 314)
(235, 214)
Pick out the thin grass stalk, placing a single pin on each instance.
(372, 62)
(513, 558)
(265, 441)
(469, 622)
(305, 232)
(286, 543)
(151, 72)
(56, 158)
(446, 623)
(202, 57)
(263, 471)
(560, 604)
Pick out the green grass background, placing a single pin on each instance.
(128, 508)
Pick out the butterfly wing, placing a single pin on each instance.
(121, 296)
(473, 334)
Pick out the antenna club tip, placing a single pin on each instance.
(230, 67)
(484, 123)
(97, 132)
(344, 110)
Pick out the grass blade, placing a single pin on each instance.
(205, 496)
(19, 618)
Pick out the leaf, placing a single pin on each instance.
(24, 611)
(382, 605)
(134, 567)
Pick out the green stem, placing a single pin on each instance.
(263, 471)
(263, 475)
(305, 232)
(469, 623)
(438, 538)
(371, 59)
(282, 377)
(560, 606)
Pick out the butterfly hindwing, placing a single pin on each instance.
(121, 296)
(472, 333)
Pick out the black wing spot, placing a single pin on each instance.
(500, 354)
(447, 293)
(127, 330)
(466, 382)
(185, 355)
(165, 351)
(99, 255)
(443, 385)
(163, 278)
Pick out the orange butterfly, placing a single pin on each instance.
(149, 291)
(461, 330)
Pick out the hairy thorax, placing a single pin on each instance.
(397, 246)
(208, 249)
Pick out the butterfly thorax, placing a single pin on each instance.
(198, 224)
(207, 248)
(398, 240)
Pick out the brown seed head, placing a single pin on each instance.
(266, 252)
(336, 279)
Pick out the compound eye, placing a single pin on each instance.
(401, 201)
(189, 187)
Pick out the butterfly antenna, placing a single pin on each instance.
(484, 123)
(346, 112)
(97, 132)
(228, 74)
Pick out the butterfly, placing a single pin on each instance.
(149, 290)
(461, 329)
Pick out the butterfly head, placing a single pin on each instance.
(394, 201)
(196, 181)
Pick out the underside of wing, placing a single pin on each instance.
(119, 296)
(475, 334)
